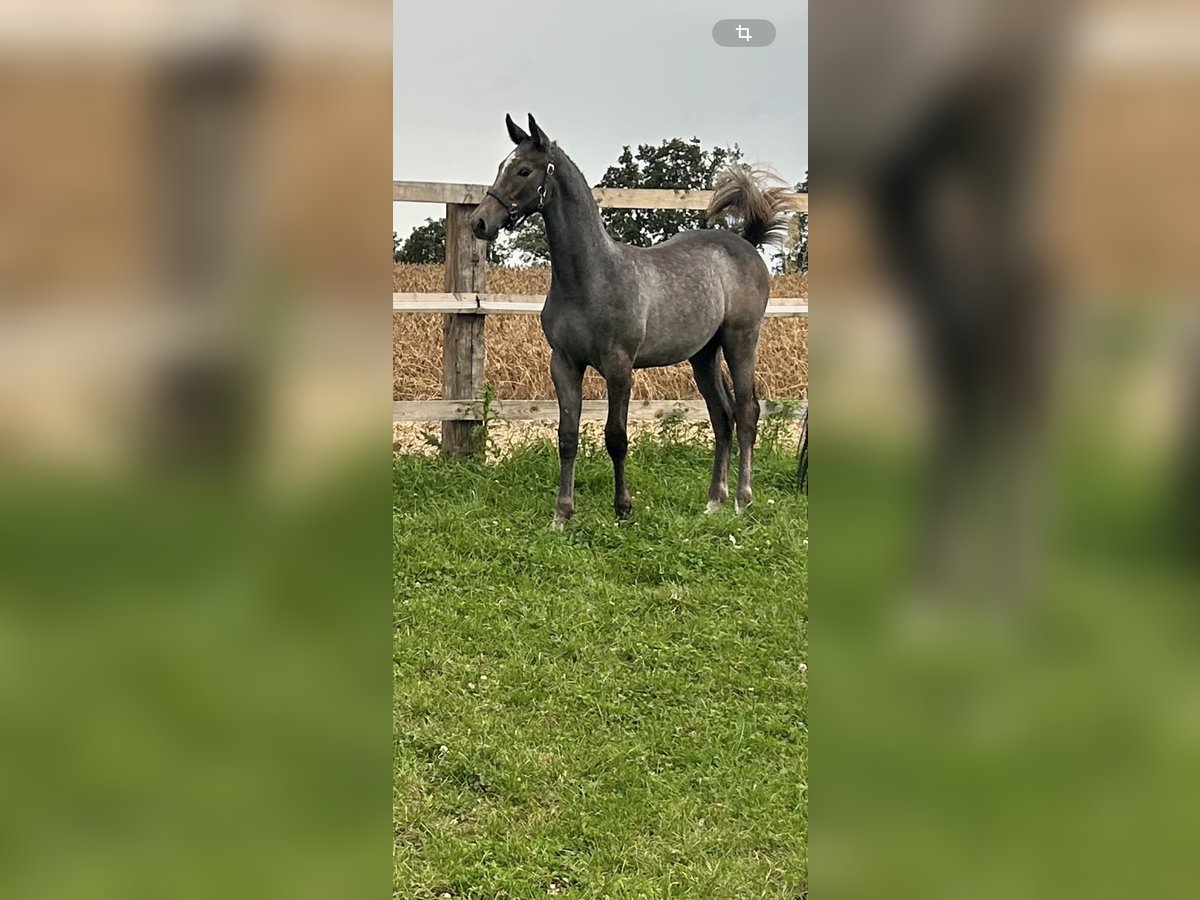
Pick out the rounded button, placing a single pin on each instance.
(743, 32)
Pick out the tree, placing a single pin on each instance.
(795, 255)
(427, 244)
(674, 163)
(529, 242)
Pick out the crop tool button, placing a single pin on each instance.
(743, 32)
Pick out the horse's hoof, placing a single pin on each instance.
(739, 505)
(712, 507)
(558, 524)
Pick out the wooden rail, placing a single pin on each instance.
(609, 198)
(466, 303)
(527, 304)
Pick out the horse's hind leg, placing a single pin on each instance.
(568, 385)
(618, 374)
(706, 366)
(741, 351)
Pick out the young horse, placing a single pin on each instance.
(617, 308)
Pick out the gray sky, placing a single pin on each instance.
(597, 76)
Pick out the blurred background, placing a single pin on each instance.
(194, 463)
(1003, 356)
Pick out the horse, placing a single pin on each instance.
(616, 307)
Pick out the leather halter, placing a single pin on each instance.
(515, 216)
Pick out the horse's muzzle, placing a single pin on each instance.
(487, 220)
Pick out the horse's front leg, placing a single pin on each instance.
(568, 385)
(619, 376)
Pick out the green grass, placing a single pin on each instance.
(610, 712)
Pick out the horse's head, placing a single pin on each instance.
(521, 183)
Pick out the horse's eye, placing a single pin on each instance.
(524, 173)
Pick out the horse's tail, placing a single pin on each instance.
(761, 200)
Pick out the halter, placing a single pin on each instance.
(515, 216)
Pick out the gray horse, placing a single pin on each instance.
(617, 308)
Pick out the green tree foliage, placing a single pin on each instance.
(795, 256)
(427, 244)
(529, 242)
(673, 164)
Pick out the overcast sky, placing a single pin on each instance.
(597, 76)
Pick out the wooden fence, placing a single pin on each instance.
(466, 304)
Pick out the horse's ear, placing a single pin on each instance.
(514, 131)
(540, 141)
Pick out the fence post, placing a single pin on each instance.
(462, 333)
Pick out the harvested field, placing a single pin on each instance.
(518, 358)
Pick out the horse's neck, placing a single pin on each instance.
(574, 230)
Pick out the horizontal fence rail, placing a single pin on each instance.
(465, 305)
(527, 304)
(547, 410)
(609, 198)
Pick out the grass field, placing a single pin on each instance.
(611, 712)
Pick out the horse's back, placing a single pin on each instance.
(734, 267)
(707, 253)
(692, 286)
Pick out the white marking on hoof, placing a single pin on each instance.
(739, 507)
(712, 507)
(558, 524)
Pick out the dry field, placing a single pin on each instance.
(518, 358)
